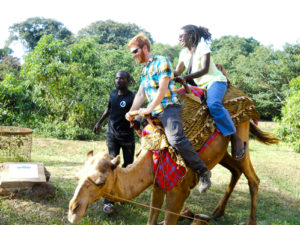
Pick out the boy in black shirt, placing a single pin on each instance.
(119, 134)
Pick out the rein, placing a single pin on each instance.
(141, 204)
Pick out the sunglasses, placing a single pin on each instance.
(135, 51)
(182, 35)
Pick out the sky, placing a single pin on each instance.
(271, 22)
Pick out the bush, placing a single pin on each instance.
(63, 130)
(290, 122)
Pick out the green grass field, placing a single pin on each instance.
(278, 199)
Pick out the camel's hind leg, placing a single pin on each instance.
(229, 163)
(253, 182)
(236, 168)
(248, 170)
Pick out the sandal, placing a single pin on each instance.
(243, 152)
(108, 208)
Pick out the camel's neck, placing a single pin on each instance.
(131, 181)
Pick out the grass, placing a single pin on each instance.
(278, 200)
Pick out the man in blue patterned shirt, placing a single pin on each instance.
(158, 87)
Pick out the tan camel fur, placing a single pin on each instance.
(101, 177)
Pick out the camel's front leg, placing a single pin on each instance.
(175, 199)
(157, 199)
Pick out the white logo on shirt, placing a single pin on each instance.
(122, 104)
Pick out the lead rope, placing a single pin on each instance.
(151, 207)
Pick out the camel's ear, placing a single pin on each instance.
(89, 154)
(115, 162)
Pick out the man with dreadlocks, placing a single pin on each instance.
(201, 67)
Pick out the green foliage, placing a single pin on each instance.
(262, 73)
(289, 128)
(64, 84)
(166, 50)
(71, 83)
(9, 64)
(5, 52)
(16, 106)
(32, 30)
(112, 34)
(228, 48)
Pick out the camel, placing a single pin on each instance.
(102, 177)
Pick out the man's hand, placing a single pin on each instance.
(179, 79)
(96, 129)
(143, 112)
(128, 117)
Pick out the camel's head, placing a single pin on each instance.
(94, 180)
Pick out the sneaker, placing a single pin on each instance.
(204, 181)
(108, 208)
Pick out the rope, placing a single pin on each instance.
(151, 207)
(141, 204)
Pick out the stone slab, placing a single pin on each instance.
(19, 175)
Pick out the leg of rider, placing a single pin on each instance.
(128, 152)
(220, 115)
(171, 120)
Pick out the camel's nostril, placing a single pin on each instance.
(77, 206)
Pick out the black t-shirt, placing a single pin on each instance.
(118, 106)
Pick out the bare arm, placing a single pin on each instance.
(137, 102)
(161, 93)
(179, 69)
(105, 114)
(205, 60)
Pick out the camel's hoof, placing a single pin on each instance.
(216, 215)
(202, 217)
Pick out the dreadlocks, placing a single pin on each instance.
(197, 33)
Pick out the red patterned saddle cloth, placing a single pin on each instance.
(166, 171)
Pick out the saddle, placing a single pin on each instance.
(197, 123)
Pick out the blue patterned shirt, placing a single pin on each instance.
(157, 68)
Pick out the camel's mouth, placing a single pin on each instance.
(75, 217)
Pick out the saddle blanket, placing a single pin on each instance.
(166, 171)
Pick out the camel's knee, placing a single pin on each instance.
(254, 184)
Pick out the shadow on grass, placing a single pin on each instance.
(273, 207)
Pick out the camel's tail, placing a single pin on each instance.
(262, 136)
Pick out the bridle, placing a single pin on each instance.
(89, 180)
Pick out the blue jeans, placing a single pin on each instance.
(220, 115)
(171, 121)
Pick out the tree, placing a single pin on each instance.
(5, 52)
(8, 63)
(289, 128)
(71, 83)
(261, 72)
(111, 33)
(172, 52)
(32, 30)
